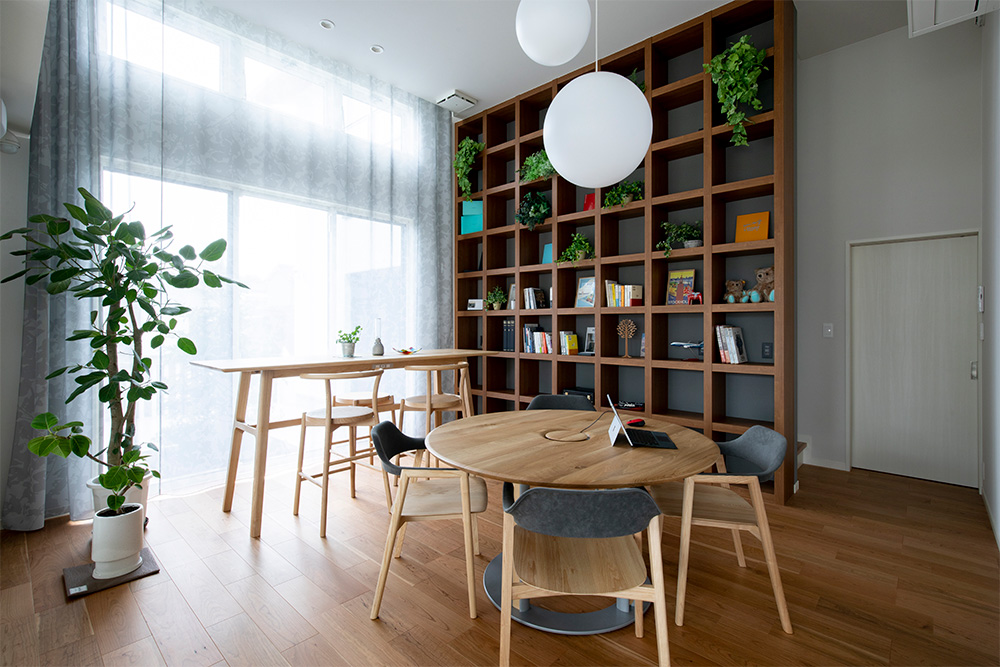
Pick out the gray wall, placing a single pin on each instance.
(13, 214)
(889, 144)
(991, 268)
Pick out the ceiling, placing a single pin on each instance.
(435, 46)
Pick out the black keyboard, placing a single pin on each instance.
(642, 438)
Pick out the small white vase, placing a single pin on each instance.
(133, 495)
(117, 543)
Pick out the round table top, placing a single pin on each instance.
(512, 447)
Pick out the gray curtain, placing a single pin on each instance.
(112, 122)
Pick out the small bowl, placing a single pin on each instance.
(408, 350)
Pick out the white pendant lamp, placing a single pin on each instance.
(597, 129)
(552, 32)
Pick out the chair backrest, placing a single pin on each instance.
(329, 378)
(560, 402)
(759, 451)
(390, 441)
(573, 513)
(434, 372)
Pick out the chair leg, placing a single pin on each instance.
(506, 585)
(475, 533)
(390, 540)
(388, 494)
(769, 556)
(326, 481)
(738, 547)
(298, 470)
(470, 573)
(399, 538)
(682, 562)
(353, 449)
(659, 588)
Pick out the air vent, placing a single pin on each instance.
(456, 101)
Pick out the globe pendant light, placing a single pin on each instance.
(598, 128)
(552, 32)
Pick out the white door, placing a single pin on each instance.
(914, 326)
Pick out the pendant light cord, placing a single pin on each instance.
(597, 26)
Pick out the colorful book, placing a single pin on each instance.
(680, 283)
(589, 202)
(752, 226)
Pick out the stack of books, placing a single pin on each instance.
(509, 336)
(622, 295)
(534, 298)
(472, 217)
(732, 349)
(569, 343)
(537, 341)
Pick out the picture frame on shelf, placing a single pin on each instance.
(585, 292)
(475, 304)
(590, 341)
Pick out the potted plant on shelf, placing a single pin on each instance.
(735, 73)
(496, 298)
(578, 249)
(624, 193)
(348, 339)
(536, 166)
(688, 235)
(468, 150)
(637, 79)
(105, 258)
(533, 210)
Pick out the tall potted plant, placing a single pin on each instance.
(128, 277)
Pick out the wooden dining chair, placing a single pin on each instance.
(332, 417)
(435, 401)
(708, 500)
(426, 494)
(570, 542)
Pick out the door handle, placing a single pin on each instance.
(974, 371)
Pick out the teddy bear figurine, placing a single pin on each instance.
(734, 291)
(764, 289)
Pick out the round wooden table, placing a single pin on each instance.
(566, 449)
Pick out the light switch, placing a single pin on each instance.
(828, 330)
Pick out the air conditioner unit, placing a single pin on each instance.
(456, 101)
(928, 15)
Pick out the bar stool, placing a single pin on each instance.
(386, 403)
(439, 401)
(332, 417)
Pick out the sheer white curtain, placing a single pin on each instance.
(332, 188)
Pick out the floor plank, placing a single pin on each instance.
(143, 653)
(242, 643)
(179, 635)
(116, 618)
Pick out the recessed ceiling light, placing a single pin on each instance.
(327, 24)
(376, 48)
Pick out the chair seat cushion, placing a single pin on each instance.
(741, 466)
(341, 415)
(711, 503)
(438, 402)
(577, 566)
(429, 497)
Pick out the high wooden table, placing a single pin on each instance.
(565, 449)
(269, 370)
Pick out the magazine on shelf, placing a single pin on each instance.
(752, 226)
(680, 283)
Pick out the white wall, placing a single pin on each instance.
(991, 269)
(13, 214)
(889, 143)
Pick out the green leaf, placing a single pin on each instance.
(187, 345)
(14, 276)
(187, 252)
(57, 227)
(137, 230)
(19, 230)
(156, 342)
(106, 393)
(158, 384)
(214, 251)
(79, 445)
(175, 310)
(100, 360)
(90, 237)
(49, 444)
(162, 328)
(115, 502)
(57, 287)
(211, 279)
(94, 206)
(44, 421)
(64, 274)
(182, 280)
(56, 373)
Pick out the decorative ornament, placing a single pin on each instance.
(552, 32)
(626, 329)
(378, 349)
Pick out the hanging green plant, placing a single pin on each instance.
(578, 249)
(533, 210)
(536, 166)
(678, 233)
(637, 79)
(735, 73)
(625, 193)
(468, 150)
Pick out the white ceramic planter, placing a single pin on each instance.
(117, 542)
(695, 243)
(133, 495)
(347, 349)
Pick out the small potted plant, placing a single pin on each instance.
(735, 73)
(348, 339)
(578, 249)
(624, 193)
(468, 150)
(688, 235)
(533, 210)
(536, 166)
(496, 298)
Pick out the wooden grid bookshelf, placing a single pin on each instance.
(691, 172)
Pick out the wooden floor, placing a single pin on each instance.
(877, 570)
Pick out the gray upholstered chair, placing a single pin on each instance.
(426, 494)
(707, 500)
(560, 402)
(566, 542)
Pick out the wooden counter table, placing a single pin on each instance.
(270, 369)
(565, 449)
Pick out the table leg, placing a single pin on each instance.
(260, 456)
(239, 419)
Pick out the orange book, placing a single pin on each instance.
(752, 226)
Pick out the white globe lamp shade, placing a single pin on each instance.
(597, 129)
(552, 32)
